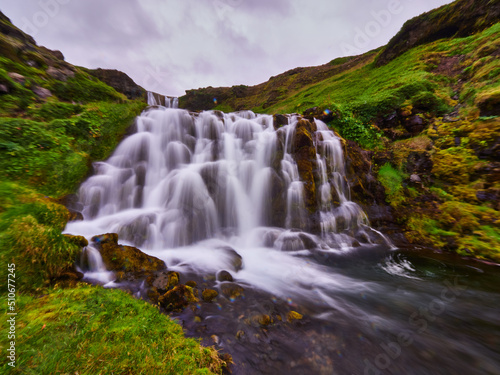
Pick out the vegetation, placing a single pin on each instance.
(55, 120)
(93, 330)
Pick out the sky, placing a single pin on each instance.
(169, 46)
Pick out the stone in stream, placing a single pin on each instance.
(178, 298)
(209, 295)
(129, 262)
(224, 276)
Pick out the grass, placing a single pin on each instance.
(91, 330)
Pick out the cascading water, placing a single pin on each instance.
(184, 178)
(198, 190)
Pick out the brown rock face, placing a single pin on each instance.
(304, 154)
(120, 82)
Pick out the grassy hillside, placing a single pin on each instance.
(55, 120)
(427, 105)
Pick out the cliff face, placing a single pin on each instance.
(121, 82)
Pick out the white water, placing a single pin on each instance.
(185, 187)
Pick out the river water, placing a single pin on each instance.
(211, 191)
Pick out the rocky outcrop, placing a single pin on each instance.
(121, 82)
(304, 154)
(459, 19)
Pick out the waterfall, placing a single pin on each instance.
(185, 181)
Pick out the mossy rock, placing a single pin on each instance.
(209, 295)
(127, 259)
(489, 103)
(293, 315)
(178, 298)
(77, 240)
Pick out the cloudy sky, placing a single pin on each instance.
(169, 46)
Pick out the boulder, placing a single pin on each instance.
(41, 92)
(132, 262)
(16, 77)
(209, 295)
(178, 298)
(60, 74)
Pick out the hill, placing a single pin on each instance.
(426, 106)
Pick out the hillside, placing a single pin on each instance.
(55, 120)
(426, 106)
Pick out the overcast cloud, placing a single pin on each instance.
(170, 46)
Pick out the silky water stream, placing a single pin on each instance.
(196, 189)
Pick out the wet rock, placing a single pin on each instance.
(235, 259)
(279, 121)
(224, 276)
(77, 240)
(209, 295)
(231, 290)
(293, 315)
(129, 260)
(192, 284)
(166, 280)
(178, 298)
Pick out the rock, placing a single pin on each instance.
(304, 154)
(120, 81)
(167, 280)
(77, 240)
(106, 238)
(224, 276)
(41, 92)
(209, 295)
(293, 315)
(16, 77)
(489, 104)
(4, 89)
(279, 121)
(130, 260)
(415, 124)
(419, 162)
(60, 74)
(265, 320)
(192, 284)
(415, 179)
(235, 259)
(178, 298)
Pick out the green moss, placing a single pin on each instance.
(454, 165)
(91, 330)
(392, 180)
